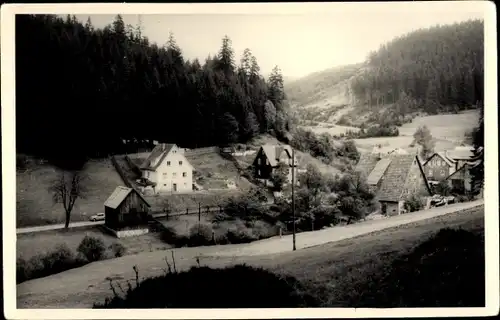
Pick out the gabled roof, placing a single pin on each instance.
(120, 194)
(466, 166)
(159, 153)
(378, 171)
(273, 152)
(442, 155)
(397, 169)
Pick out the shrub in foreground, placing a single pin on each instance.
(413, 204)
(93, 249)
(117, 249)
(45, 264)
(238, 286)
(445, 271)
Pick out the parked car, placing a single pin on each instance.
(450, 199)
(436, 199)
(97, 217)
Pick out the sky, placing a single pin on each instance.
(299, 43)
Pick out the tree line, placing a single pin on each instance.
(82, 91)
(441, 67)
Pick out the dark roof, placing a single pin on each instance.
(397, 168)
(120, 194)
(466, 166)
(160, 151)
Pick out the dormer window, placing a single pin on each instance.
(180, 163)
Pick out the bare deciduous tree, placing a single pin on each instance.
(66, 189)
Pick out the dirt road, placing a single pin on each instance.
(75, 288)
(57, 226)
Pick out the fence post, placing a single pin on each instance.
(199, 212)
(281, 232)
(187, 211)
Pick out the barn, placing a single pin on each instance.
(126, 208)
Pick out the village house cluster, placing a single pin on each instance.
(393, 175)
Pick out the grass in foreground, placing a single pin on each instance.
(445, 271)
(331, 271)
(44, 253)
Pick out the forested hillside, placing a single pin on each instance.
(438, 67)
(81, 90)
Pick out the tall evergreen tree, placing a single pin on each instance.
(117, 81)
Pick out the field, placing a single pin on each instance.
(332, 271)
(451, 127)
(212, 171)
(191, 201)
(182, 224)
(31, 244)
(448, 131)
(332, 129)
(34, 202)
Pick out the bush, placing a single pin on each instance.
(91, 248)
(414, 203)
(200, 235)
(44, 264)
(200, 287)
(168, 235)
(118, 249)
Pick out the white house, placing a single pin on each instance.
(168, 168)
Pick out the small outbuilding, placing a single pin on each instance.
(126, 208)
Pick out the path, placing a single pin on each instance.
(314, 238)
(57, 226)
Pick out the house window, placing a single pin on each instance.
(174, 174)
(164, 174)
(168, 163)
(180, 163)
(184, 174)
(430, 173)
(164, 185)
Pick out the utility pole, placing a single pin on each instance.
(293, 196)
(199, 217)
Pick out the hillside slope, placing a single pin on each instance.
(328, 88)
(428, 71)
(34, 201)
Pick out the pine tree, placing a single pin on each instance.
(226, 56)
(276, 93)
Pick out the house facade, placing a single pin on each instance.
(460, 182)
(168, 169)
(125, 208)
(393, 178)
(438, 167)
(270, 157)
(451, 164)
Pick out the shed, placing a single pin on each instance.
(125, 207)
